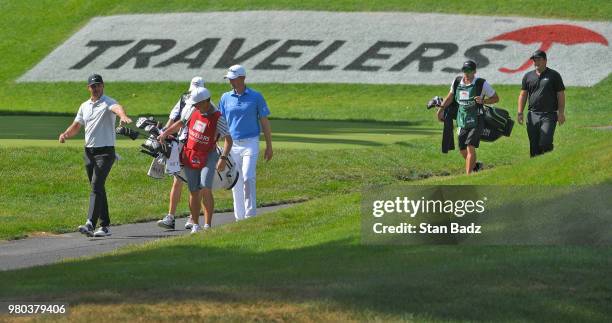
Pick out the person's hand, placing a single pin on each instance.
(62, 138)
(440, 114)
(268, 154)
(220, 165)
(561, 118)
(479, 99)
(519, 118)
(124, 120)
(162, 136)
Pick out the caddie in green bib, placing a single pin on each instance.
(467, 114)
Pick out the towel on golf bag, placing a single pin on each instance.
(173, 164)
(158, 167)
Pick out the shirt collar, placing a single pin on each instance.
(209, 113)
(473, 81)
(98, 100)
(543, 72)
(246, 91)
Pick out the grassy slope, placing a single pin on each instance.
(343, 169)
(308, 265)
(356, 282)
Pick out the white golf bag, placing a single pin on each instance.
(162, 166)
(227, 178)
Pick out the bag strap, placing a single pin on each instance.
(479, 84)
(456, 83)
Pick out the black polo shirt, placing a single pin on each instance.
(542, 90)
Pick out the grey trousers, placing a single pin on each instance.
(98, 163)
(541, 130)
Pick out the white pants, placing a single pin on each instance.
(245, 153)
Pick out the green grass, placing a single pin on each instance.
(288, 134)
(304, 263)
(311, 262)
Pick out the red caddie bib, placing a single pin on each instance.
(201, 139)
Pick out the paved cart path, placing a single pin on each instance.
(36, 251)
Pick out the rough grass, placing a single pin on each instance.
(306, 263)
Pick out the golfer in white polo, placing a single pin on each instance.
(245, 110)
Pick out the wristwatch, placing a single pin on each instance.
(223, 157)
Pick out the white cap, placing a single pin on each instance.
(235, 71)
(196, 81)
(198, 94)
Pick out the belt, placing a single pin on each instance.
(247, 139)
(97, 150)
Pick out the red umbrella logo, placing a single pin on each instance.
(547, 35)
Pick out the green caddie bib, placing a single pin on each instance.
(467, 114)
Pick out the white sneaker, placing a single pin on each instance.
(189, 223)
(196, 228)
(87, 229)
(206, 226)
(167, 222)
(102, 232)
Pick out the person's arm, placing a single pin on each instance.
(168, 123)
(170, 130)
(488, 95)
(561, 102)
(72, 130)
(445, 103)
(227, 147)
(267, 130)
(123, 118)
(488, 100)
(522, 100)
(174, 115)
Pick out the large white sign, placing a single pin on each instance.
(326, 47)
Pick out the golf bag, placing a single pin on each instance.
(166, 155)
(227, 178)
(497, 123)
(498, 119)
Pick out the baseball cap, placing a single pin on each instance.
(235, 71)
(196, 81)
(94, 79)
(198, 94)
(469, 65)
(539, 54)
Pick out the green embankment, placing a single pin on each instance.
(305, 262)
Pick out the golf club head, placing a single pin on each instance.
(124, 131)
(143, 122)
(436, 101)
(152, 129)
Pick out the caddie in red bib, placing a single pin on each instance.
(201, 139)
(200, 158)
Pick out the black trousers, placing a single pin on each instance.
(98, 163)
(541, 130)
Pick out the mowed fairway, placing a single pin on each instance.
(42, 131)
(304, 263)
